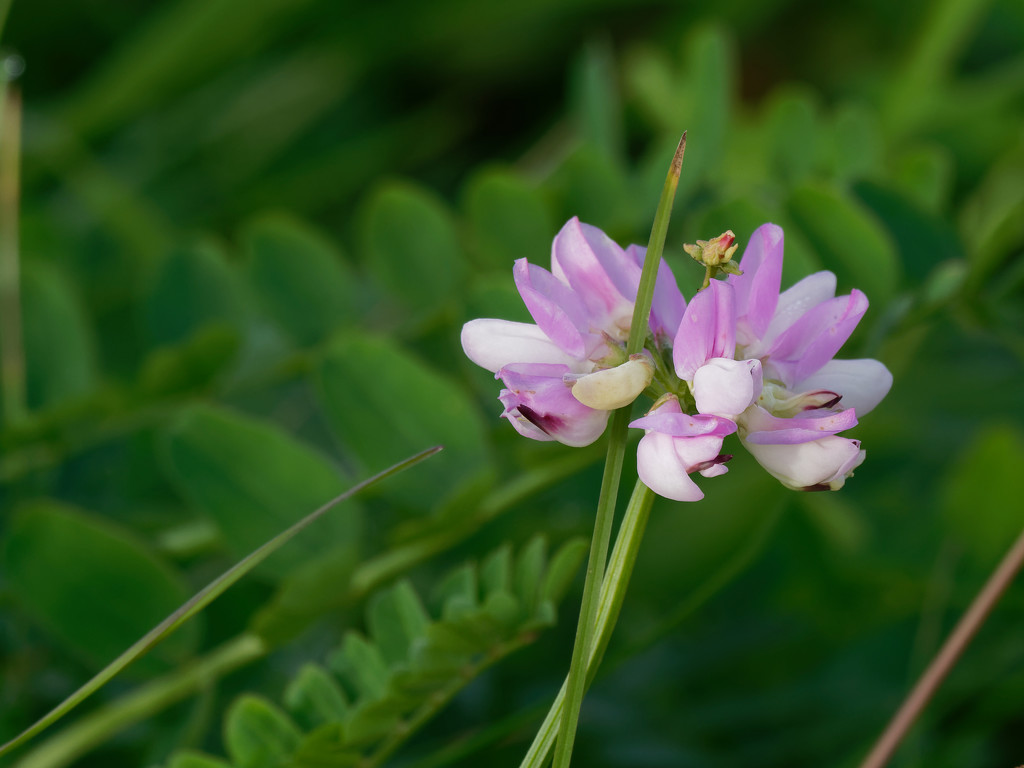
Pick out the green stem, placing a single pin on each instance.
(638, 331)
(200, 600)
(97, 727)
(613, 592)
(12, 351)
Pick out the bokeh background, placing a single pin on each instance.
(250, 232)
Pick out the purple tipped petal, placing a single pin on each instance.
(708, 329)
(726, 387)
(685, 425)
(493, 344)
(757, 289)
(762, 428)
(557, 310)
(815, 338)
(794, 302)
(599, 271)
(668, 305)
(862, 383)
(537, 401)
(814, 466)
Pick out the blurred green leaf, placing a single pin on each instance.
(848, 240)
(362, 664)
(60, 351)
(194, 285)
(383, 403)
(709, 77)
(980, 498)
(194, 364)
(196, 760)
(396, 619)
(589, 185)
(92, 585)
(259, 735)
(411, 246)
(925, 174)
(314, 697)
(253, 481)
(594, 94)
(793, 134)
(858, 144)
(300, 277)
(924, 241)
(509, 219)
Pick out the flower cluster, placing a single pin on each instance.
(741, 357)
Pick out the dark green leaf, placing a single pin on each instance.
(58, 344)
(411, 247)
(92, 585)
(849, 241)
(259, 735)
(190, 759)
(361, 664)
(385, 404)
(529, 572)
(793, 134)
(314, 697)
(396, 619)
(326, 747)
(193, 364)
(509, 219)
(562, 569)
(981, 498)
(194, 286)
(496, 572)
(253, 480)
(300, 277)
(458, 587)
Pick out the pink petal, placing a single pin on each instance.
(493, 344)
(708, 329)
(862, 383)
(762, 428)
(757, 289)
(600, 273)
(793, 303)
(537, 400)
(815, 338)
(557, 310)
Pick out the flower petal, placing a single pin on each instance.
(708, 329)
(813, 466)
(614, 387)
(536, 399)
(661, 470)
(493, 344)
(726, 387)
(757, 289)
(600, 273)
(762, 428)
(793, 303)
(862, 383)
(557, 310)
(815, 338)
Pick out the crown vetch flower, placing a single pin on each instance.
(582, 310)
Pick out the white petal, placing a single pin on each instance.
(660, 469)
(725, 387)
(862, 383)
(493, 344)
(828, 461)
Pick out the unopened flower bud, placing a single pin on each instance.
(715, 252)
(614, 387)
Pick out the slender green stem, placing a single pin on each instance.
(199, 601)
(96, 727)
(613, 592)
(613, 469)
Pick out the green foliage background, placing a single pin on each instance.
(250, 233)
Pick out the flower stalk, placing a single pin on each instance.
(585, 630)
